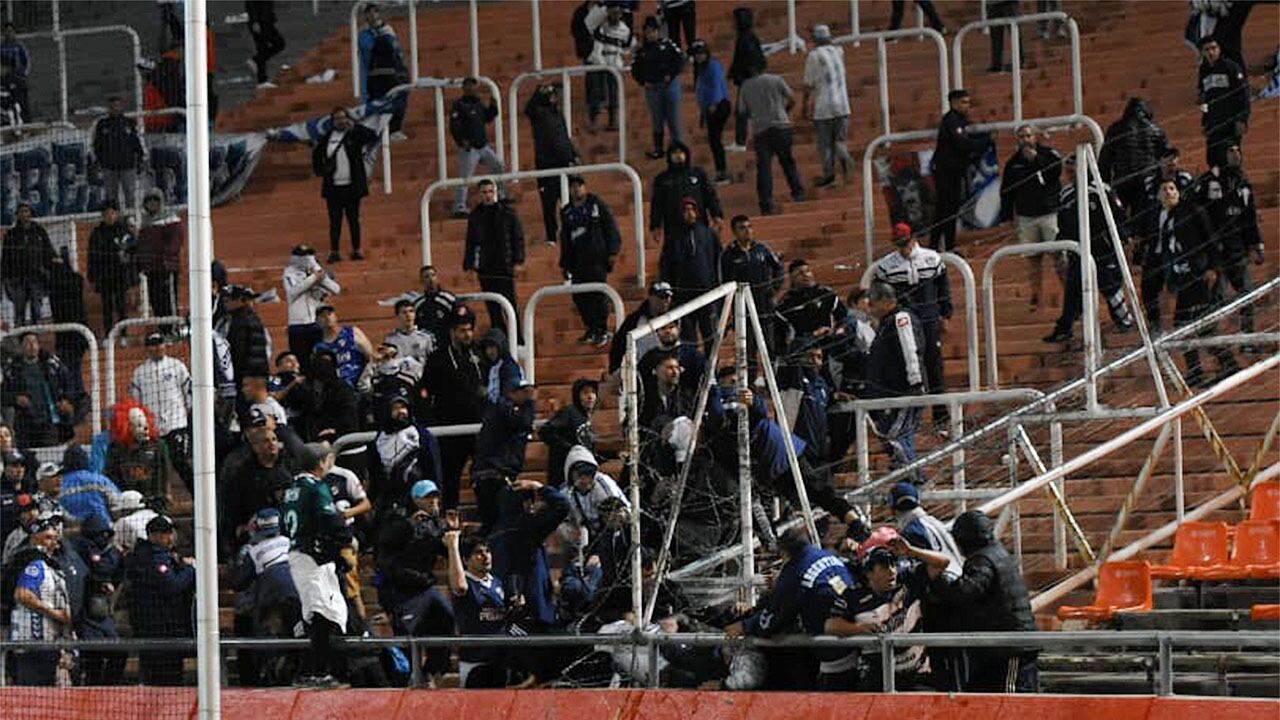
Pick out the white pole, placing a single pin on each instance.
(855, 21)
(413, 41)
(537, 36)
(748, 568)
(62, 60)
(792, 37)
(1089, 292)
(200, 252)
(386, 159)
(441, 149)
(475, 39)
(882, 63)
(356, 90)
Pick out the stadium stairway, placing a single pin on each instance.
(281, 207)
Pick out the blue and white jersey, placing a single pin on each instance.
(48, 583)
(350, 359)
(481, 611)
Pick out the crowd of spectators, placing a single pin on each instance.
(439, 508)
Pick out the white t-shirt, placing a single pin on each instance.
(824, 72)
(272, 408)
(132, 528)
(342, 166)
(164, 386)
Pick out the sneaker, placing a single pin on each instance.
(826, 181)
(335, 256)
(735, 147)
(399, 136)
(588, 338)
(723, 178)
(1124, 328)
(602, 338)
(461, 211)
(253, 67)
(1058, 335)
(942, 431)
(267, 85)
(357, 255)
(654, 154)
(326, 682)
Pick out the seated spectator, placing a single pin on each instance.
(479, 607)
(85, 494)
(132, 516)
(411, 341)
(500, 449)
(46, 396)
(138, 458)
(569, 427)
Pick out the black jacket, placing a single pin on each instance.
(758, 266)
(747, 52)
(807, 309)
(589, 238)
(895, 364)
(1029, 188)
(248, 340)
(957, 147)
(111, 256)
(583, 42)
(1188, 252)
(657, 63)
(42, 414)
(504, 434)
(690, 258)
(495, 240)
(467, 120)
(353, 144)
(454, 382)
(407, 553)
(245, 486)
(1099, 236)
(115, 143)
(991, 594)
(1225, 89)
(618, 347)
(673, 185)
(552, 147)
(1134, 144)
(161, 588)
(1229, 200)
(27, 253)
(433, 312)
(568, 427)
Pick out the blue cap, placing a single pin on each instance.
(904, 496)
(423, 488)
(266, 523)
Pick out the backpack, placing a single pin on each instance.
(384, 53)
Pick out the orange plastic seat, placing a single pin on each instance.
(1122, 587)
(1264, 612)
(1265, 504)
(1197, 547)
(1254, 554)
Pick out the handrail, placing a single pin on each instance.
(114, 334)
(1015, 44)
(136, 44)
(566, 103)
(368, 436)
(25, 127)
(531, 306)
(1087, 268)
(970, 309)
(637, 200)
(508, 312)
(868, 190)
(95, 377)
(437, 85)
(356, 9)
(882, 62)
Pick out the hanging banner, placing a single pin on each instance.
(374, 115)
(906, 181)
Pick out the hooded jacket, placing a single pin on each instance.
(570, 428)
(250, 354)
(407, 553)
(303, 291)
(584, 507)
(495, 240)
(589, 238)
(112, 250)
(468, 119)
(1225, 90)
(105, 567)
(502, 374)
(519, 557)
(552, 147)
(454, 382)
(1231, 204)
(690, 258)
(160, 592)
(85, 495)
(1134, 144)
(747, 52)
(673, 185)
(990, 594)
(116, 145)
(658, 62)
(500, 444)
(27, 253)
(160, 241)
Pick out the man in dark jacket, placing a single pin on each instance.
(751, 262)
(500, 445)
(748, 56)
(112, 266)
(46, 398)
(249, 478)
(552, 148)
(26, 258)
(681, 180)
(957, 147)
(1029, 194)
(338, 158)
(1224, 100)
(989, 596)
(1133, 145)
(468, 119)
(433, 308)
(657, 303)
(569, 427)
(589, 244)
(161, 239)
(382, 65)
(453, 392)
(809, 309)
(1229, 200)
(896, 368)
(250, 352)
(267, 40)
(690, 261)
(656, 66)
(118, 151)
(495, 249)
(161, 587)
(1186, 259)
(106, 574)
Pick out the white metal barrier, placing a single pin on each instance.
(508, 312)
(637, 200)
(113, 336)
(531, 306)
(59, 36)
(413, 63)
(882, 62)
(95, 375)
(1015, 44)
(566, 103)
(970, 310)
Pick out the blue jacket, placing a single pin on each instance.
(504, 433)
(519, 558)
(710, 86)
(85, 493)
(160, 592)
(807, 589)
(365, 43)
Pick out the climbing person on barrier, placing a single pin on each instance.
(468, 120)
(955, 150)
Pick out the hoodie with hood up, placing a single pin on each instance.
(584, 507)
(502, 374)
(85, 494)
(991, 593)
(673, 185)
(519, 557)
(1134, 145)
(569, 427)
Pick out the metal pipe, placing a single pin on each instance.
(1088, 279)
(919, 33)
(475, 37)
(413, 40)
(113, 335)
(882, 65)
(537, 35)
(1015, 49)
(1261, 338)
(386, 159)
(1063, 516)
(441, 150)
(95, 394)
(508, 313)
(637, 200)
(1179, 489)
(855, 21)
(792, 37)
(631, 400)
(746, 540)
(513, 96)
(1164, 665)
(1077, 85)
(356, 89)
(531, 306)
(955, 415)
(437, 85)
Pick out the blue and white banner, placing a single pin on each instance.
(374, 115)
(906, 181)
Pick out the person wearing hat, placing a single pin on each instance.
(132, 515)
(41, 605)
(918, 277)
(896, 368)
(657, 302)
(826, 89)
(454, 384)
(14, 482)
(690, 262)
(410, 541)
(504, 434)
(106, 573)
(589, 245)
(26, 261)
(161, 588)
(307, 286)
(247, 337)
(315, 526)
(350, 346)
(1029, 190)
(267, 604)
(657, 65)
(112, 266)
(570, 427)
(766, 102)
(26, 509)
(681, 181)
(956, 149)
(494, 252)
(161, 238)
(920, 528)
(588, 490)
(714, 107)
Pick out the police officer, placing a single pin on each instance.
(956, 149)
(1107, 263)
(896, 368)
(918, 277)
(161, 587)
(106, 573)
(1229, 200)
(589, 244)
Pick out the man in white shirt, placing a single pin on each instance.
(163, 384)
(407, 338)
(306, 287)
(824, 82)
(613, 42)
(132, 516)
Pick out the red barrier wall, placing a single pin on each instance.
(284, 704)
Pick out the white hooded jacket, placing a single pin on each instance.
(584, 508)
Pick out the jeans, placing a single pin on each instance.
(832, 136)
(468, 160)
(664, 111)
(113, 181)
(602, 93)
(717, 118)
(897, 429)
(26, 294)
(771, 142)
(343, 200)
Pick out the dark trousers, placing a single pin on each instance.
(930, 13)
(1152, 284)
(1192, 302)
(320, 660)
(35, 668)
(454, 454)
(267, 43)
(162, 288)
(717, 117)
(114, 306)
(1016, 674)
(102, 668)
(1237, 275)
(1000, 10)
(179, 442)
(1110, 283)
(160, 668)
(379, 86)
(430, 615)
(933, 368)
(602, 93)
(685, 16)
(343, 200)
(775, 142)
(302, 339)
(504, 285)
(487, 487)
(592, 307)
(946, 210)
(26, 295)
(740, 123)
(699, 323)
(549, 194)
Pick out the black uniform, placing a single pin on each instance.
(1224, 89)
(589, 242)
(805, 310)
(1228, 199)
(1134, 144)
(1110, 279)
(106, 572)
(112, 268)
(495, 245)
(921, 285)
(955, 150)
(759, 267)
(432, 312)
(161, 588)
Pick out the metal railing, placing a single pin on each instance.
(566, 103)
(113, 337)
(95, 376)
(970, 310)
(882, 62)
(58, 36)
(508, 312)
(413, 63)
(637, 201)
(531, 307)
(1015, 43)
